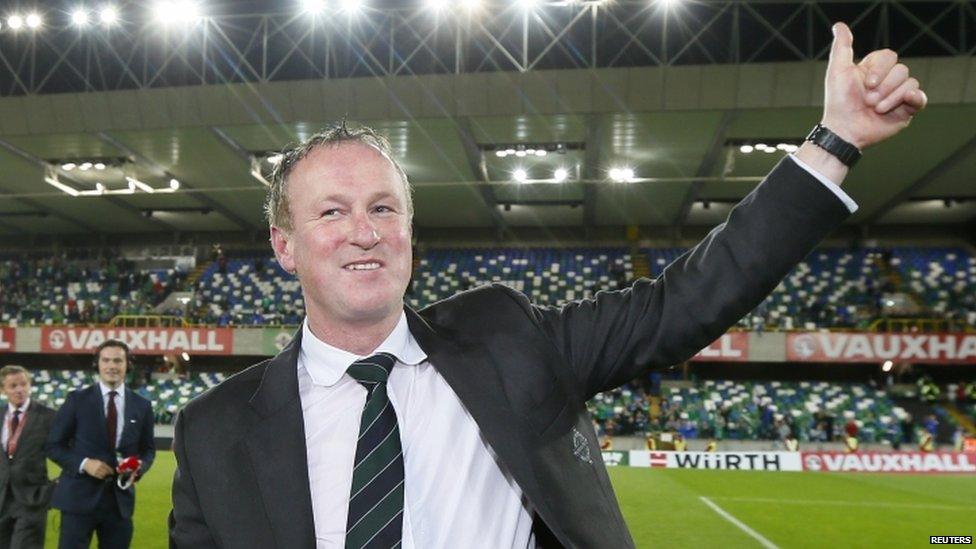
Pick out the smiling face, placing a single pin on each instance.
(16, 387)
(112, 364)
(350, 236)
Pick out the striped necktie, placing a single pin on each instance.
(376, 501)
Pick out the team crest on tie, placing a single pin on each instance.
(581, 448)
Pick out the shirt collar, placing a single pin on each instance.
(326, 364)
(106, 389)
(23, 407)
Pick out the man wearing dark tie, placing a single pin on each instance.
(465, 424)
(24, 487)
(93, 430)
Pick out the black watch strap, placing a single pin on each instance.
(831, 142)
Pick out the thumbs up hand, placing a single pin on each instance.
(867, 102)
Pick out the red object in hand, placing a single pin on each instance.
(128, 465)
(128, 472)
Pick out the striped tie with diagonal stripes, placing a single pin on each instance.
(376, 501)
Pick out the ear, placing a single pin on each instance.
(281, 244)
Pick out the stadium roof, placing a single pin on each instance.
(680, 127)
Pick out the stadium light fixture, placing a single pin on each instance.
(501, 153)
(135, 183)
(68, 166)
(313, 7)
(351, 7)
(746, 149)
(15, 22)
(184, 11)
(621, 175)
(470, 5)
(85, 166)
(520, 175)
(174, 184)
(108, 15)
(185, 356)
(99, 166)
(437, 5)
(275, 159)
(887, 366)
(33, 20)
(528, 4)
(560, 175)
(79, 17)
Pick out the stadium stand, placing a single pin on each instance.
(57, 291)
(832, 288)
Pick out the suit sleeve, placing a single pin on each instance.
(619, 335)
(147, 440)
(187, 525)
(59, 439)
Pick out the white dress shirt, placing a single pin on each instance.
(456, 493)
(8, 417)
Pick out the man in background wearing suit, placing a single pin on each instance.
(95, 428)
(24, 487)
(465, 424)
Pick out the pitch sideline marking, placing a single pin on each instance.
(849, 503)
(739, 524)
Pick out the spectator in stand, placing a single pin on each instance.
(851, 442)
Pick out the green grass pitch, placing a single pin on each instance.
(665, 508)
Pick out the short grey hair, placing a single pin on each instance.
(13, 370)
(276, 207)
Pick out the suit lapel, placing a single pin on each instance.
(129, 412)
(276, 446)
(469, 371)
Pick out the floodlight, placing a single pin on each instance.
(174, 184)
(85, 166)
(33, 20)
(560, 174)
(275, 159)
(746, 149)
(313, 6)
(68, 166)
(108, 15)
(99, 166)
(15, 22)
(351, 6)
(79, 17)
(528, 4)
(520, 175)
(621, 175)
(501, 154)
(437, 5)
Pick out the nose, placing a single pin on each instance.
(363, 232)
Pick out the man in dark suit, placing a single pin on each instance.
(93, 430)
(24, 487)
(465, 424)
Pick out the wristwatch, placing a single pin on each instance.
(829, 141)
